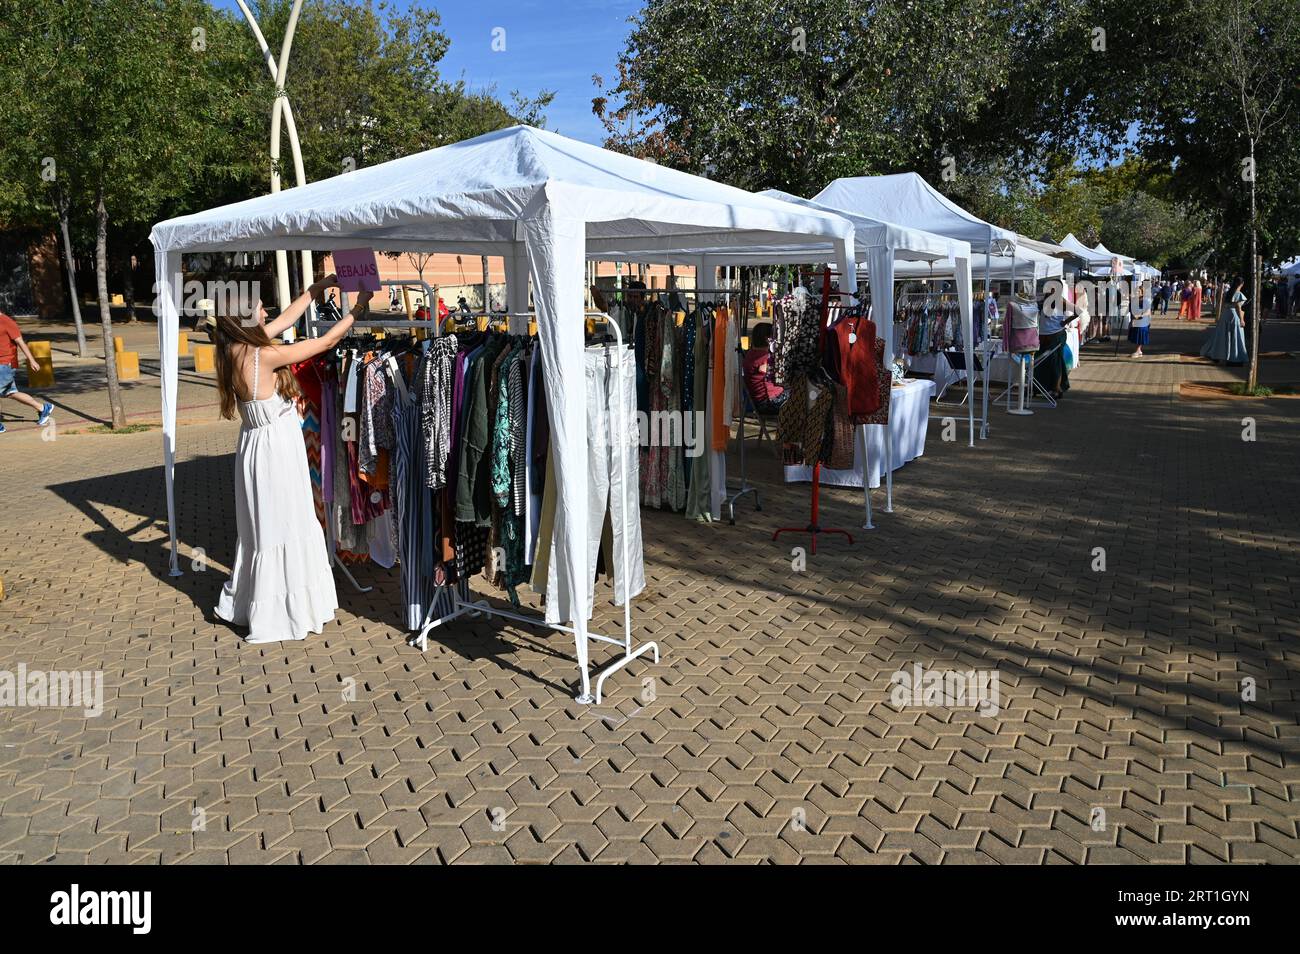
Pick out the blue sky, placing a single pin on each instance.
(550, 44)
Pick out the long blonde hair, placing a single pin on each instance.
(232, 331)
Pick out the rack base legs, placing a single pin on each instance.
(464, 607)
(731, 501)
(814, 530)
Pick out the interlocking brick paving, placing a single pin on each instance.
(767, 732)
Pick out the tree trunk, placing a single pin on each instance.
(487, 301)
(116, 412)
(72, 279)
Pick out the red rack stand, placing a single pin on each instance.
(814, 527)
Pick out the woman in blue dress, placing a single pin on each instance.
(1227, 339)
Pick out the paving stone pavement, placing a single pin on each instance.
(1147, 712)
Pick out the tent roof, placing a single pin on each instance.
(1046, 248)
(906, 197)
(1028, 266)
(472, 196)
(908, 244)
(1091, 256)
(1103, 250)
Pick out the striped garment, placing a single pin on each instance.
(433, 391)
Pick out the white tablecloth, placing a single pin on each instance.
(909, 415)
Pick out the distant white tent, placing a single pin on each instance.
(906, 197)
(1098, 264)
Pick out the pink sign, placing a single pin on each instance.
(356, 269)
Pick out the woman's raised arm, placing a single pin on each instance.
(277, 356)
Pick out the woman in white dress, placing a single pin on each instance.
(281, 585)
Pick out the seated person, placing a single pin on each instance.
(767, 396)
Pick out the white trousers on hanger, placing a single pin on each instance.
(613, 484)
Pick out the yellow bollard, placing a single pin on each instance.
(205, 358)
(118, 344)
(128, 365)
(183, 344)
(44, 378)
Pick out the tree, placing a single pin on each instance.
(1184, 85)
(31, 192)
(793, 93)
(1256, 33)
(125, 105)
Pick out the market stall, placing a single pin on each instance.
(879, 244)
(906, 197)
(543, 202)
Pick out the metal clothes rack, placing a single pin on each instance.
(745, 487)
(461, 605)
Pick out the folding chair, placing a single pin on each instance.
(749, 410)
(957, 362)
(1034, 385)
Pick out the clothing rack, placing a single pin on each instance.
(814, 527)
(745, 487)
(314, 328)
(461, 605)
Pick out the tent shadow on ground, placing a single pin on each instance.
(206, 524)
(1139, 592)
(948, 558)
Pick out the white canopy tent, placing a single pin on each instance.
(541, 201)
(1291, 272)
(1098, 264)
(1046, 248)
(878, 243)
(906, 197)
(1025, 266)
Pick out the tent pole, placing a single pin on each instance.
(984, 323)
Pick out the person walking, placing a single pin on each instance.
(1139, 331)
(11, 344)
(1197, 300)
(281, 584)
(1184, 300)
(1226, 341)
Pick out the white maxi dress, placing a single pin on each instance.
(281, 586)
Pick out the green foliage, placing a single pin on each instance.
(792, 93)
(1168, 83)
(113, 95)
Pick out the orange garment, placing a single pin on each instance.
(1196, 303)
(718, 386)
(379, 479)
